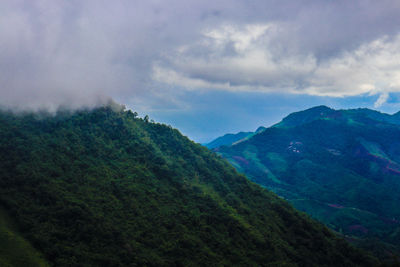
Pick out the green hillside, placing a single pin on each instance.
(14, 249)
(341, 167)
(105, 188)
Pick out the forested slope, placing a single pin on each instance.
(105, 188)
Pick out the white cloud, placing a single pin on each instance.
(251, 58)
(236, 58)
(241, 39)
(371, 68)
(80, 52)
(381, 100)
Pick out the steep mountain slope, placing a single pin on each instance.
(342, 167)
(104, 188)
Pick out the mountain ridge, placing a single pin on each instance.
(230, 139)
(324, 112)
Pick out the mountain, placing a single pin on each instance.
(326, 113)
(303, 117)
(340, 166)
(230, 139)
(103, 187)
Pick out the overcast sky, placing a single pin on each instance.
(205, 67)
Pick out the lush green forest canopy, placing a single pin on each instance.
(340, 166)
(105, 188)
(15, 250)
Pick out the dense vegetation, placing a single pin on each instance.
(14, 249)
(105, 188)
(342, 167)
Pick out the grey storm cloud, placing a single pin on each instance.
(81, 53)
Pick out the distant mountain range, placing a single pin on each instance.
(340, 166)
(103, 187)
(230, 139)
